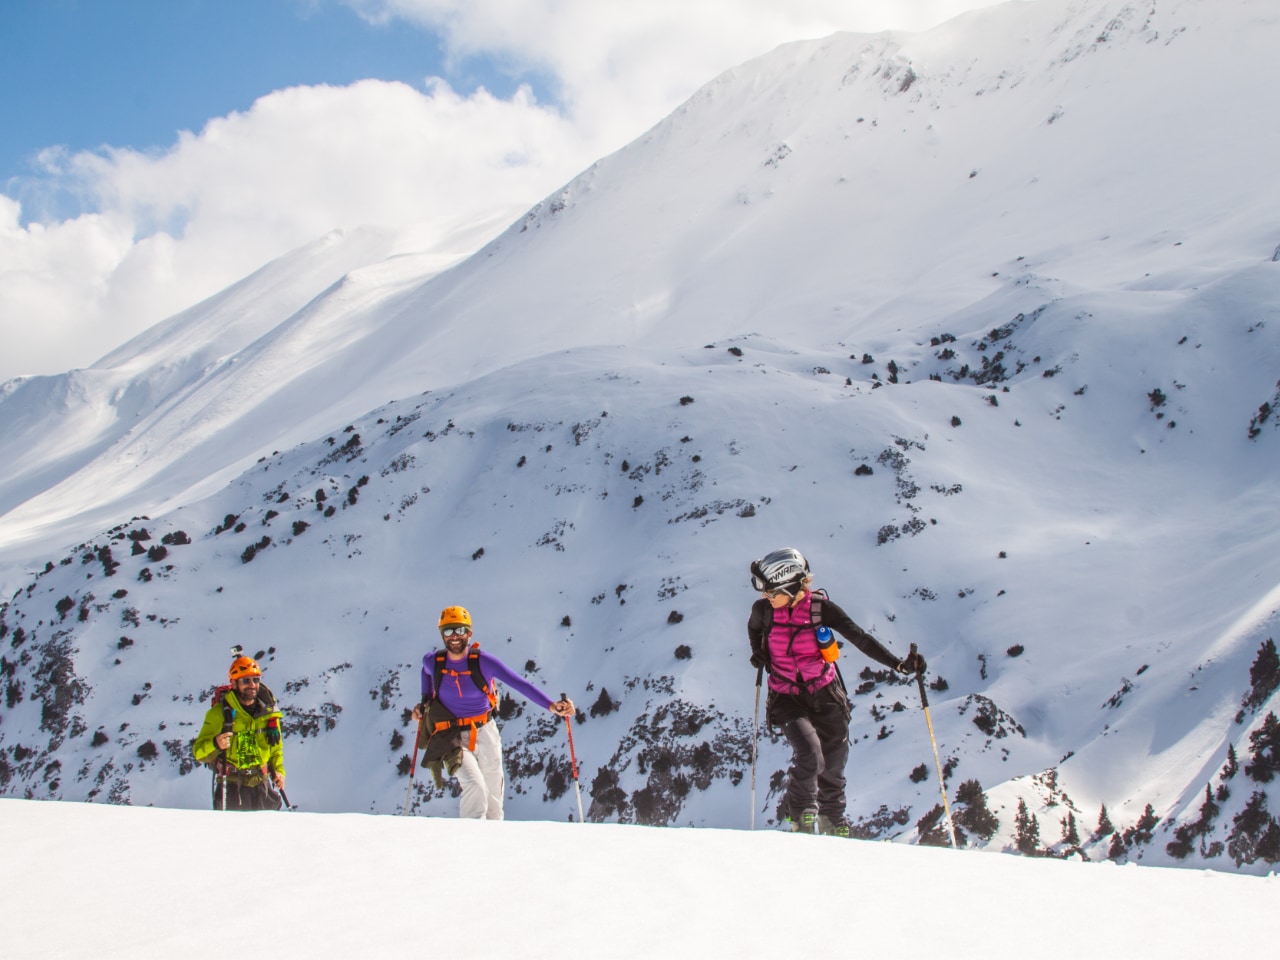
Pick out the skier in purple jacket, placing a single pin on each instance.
(807, 698)
(459, 697)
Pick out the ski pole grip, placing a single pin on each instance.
(924, 697)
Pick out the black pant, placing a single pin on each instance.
(240, 796)
(818, 731)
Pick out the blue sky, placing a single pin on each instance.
(153, 152)
(82, 73)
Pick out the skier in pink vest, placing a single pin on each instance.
(790, 629)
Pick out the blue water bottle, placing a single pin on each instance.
(827, 644)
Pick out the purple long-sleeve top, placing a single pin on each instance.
(460, 693)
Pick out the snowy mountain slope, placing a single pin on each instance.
(828, 185)
(343, 607)
(130, 423)
(1049, 336)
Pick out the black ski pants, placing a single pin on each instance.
(818, 732)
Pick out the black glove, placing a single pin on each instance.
(914, 663)
(758, 658)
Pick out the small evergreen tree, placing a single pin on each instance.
(972, 811)
(1118, 847)
(1208, 811)
(1105, 826)
(932, 829)
(1264, 675)
(1070, 834)
(1254, 833)
(1264, 744)
(1184, 836)
(1232, 766)
(1142, 830)
(1026, 835)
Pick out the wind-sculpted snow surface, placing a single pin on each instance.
(647, 878)
(932, 309)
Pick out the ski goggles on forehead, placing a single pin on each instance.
(769, 591)
(455, 631)
(762, 585)
(757, 581)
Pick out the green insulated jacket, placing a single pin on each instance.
(256, 735)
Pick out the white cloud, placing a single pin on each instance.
(178, 226)
(169, 228)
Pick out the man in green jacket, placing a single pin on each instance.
(241, 739)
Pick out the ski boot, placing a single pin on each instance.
(806, 822)
(833, 826)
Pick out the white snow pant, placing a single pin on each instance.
(480, 776)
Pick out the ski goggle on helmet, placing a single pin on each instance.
(782, 571)
(454, 621)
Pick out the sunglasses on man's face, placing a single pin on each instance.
(254, 680)
(454, 631)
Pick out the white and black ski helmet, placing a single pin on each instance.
(784, 569)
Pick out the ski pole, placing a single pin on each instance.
(413, 765)
(285, 797)
(573, 764)
(755, 738)
(937, 763)
(228, 726)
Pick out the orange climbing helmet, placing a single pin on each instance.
(456, 616)
(243, 667)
